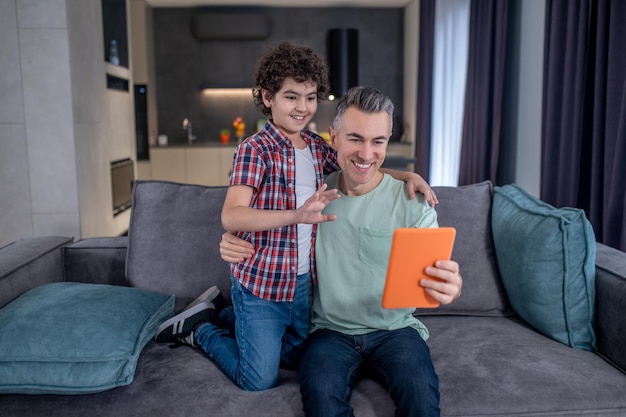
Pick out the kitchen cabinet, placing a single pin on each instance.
(168, 164)
(203, 165)
(226, 158)
(210, 164)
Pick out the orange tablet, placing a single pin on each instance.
(412, 250)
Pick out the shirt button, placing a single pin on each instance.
(293, 240)
(290, 185)
(290, 159)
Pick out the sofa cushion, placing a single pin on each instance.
(97, 260)
(546, 258)
(76, 338)
(468, 209)
(173, 240)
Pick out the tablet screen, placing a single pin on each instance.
(412, 250)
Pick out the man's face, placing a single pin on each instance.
(361, 144)
(293, 105)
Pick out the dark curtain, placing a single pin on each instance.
(424, 88)
(583, 161)
(488, 68)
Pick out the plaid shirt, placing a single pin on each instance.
(266, 161)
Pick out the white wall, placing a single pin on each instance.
(38, 195)
(59, 126)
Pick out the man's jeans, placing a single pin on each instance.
(266, 335)
(332, 362)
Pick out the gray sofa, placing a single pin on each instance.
(492, 360)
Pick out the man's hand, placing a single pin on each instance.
(234, 249)
(448, 287)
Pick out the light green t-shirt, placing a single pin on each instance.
(348, 296)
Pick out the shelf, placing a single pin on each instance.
(117, 77)
(117, 83)
(114, 26)
(118, 71)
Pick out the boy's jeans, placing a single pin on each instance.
(267, 335)
(332, 362)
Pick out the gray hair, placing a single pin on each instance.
(367, 100)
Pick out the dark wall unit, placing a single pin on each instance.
(230, 26)
(114, 27)
(342, 49)
(183, 62)
(141, 122)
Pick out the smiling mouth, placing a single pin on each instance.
(299, 118)
(362, 166)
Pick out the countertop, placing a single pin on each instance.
(202, 144)
(394, 149)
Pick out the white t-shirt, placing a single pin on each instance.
(305, 188)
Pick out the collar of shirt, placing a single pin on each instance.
(281, 139)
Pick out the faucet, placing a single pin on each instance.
(187, 127)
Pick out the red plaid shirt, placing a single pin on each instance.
(266, 161)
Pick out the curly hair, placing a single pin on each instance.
(288, 60)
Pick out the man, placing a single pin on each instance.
(352, 335)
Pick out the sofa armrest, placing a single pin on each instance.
(611, 304)
(29, 263)
(98, 260)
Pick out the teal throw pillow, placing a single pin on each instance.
(546, 258)
(76, 338)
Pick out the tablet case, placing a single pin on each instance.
(412, 250)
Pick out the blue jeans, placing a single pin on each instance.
(333, 362)
(267, 335)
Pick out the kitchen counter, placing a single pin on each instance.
(202, 144)
(400, 156)
(204, 163)
(210, 162)
(393, 149)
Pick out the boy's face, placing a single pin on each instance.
(293, 106)
(361, 144)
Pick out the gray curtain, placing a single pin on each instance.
(584, 113)
(484, 145)
(424, 88)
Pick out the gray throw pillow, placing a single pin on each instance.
(173, 240)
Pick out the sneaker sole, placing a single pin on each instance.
(209, 294)
(213, 295)
(182, 324)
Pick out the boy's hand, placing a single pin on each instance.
(311, 211)
(415, 183)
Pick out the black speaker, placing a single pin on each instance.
(141, 122)
(343, 60)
